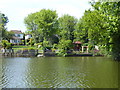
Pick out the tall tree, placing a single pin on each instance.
(104, 25)
(43, 23)
(32, 26)
(67, 26)
(81, 32)
(3, 22)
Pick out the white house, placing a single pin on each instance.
(17, 37)
(28, 36)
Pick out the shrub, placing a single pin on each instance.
(9, 45)
(55, 46)
(64, 46)
(27, 44)
(45, 44)
(6, 44)
(85, 44)
(23, 41)
(31, 42)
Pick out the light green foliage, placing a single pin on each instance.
(4, 34)
(66, 27)
(9, 35)
(3, 22)
(45, 43)
(32, 26)
(81, 32)
(47, 20)
(98, 26)
(96, 29)
(43, 24)
(103, 24)
(6, 44)
(64, 46)
(31, 42)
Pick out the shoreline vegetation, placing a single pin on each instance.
(28, 51)
(99, 26)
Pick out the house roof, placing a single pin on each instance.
(16, 31)
(77, 42)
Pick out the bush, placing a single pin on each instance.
(64, 46)
(6, 44)
(27, 44)
(55, 46)
(45, 44)
(31, 42)
(9, 45)
(23, 41)
(104, 51)
(85, 44)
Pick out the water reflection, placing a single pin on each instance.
(60, 72)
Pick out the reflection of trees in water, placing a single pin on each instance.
(56, 72)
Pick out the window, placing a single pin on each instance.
(18, 35)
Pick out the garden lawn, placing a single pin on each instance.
(18, 47)
(22, 47)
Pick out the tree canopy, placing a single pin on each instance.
(3, 22)
(67, 26)
(43, 24)
(99, 25)
(103, 23)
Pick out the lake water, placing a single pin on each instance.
(59, 72)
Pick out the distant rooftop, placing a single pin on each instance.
(77, 42)
(17, 31)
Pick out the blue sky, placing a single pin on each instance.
(17, 10)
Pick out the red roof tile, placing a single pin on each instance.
(77, 42)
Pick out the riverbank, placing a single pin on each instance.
(37, 53)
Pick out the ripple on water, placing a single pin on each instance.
(56, 73)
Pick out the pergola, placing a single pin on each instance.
(77, 45)
(84, 47)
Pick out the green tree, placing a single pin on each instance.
(103, 23)
(9, 35)
(64, 46)
(3, 22)
(81, 32)
(32, 26)
(66, 27)
(43, 24)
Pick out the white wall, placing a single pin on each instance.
(28, 36)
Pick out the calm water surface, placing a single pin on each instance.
(59, 72)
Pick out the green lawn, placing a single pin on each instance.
(22, 47)
(18, 47)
